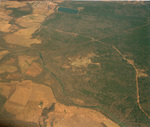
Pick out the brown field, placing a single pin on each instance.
(7, 68)
(30, 112)
(13, 28)
(21, 95)
(27, 32)
(30, 20)
(20, 40)
(3, 53)
(4, 15)
(25, 100)
(10, 61)
(71, 116)
(4, 26)
(14, 76)
(6, 91)
(25, 104)
(43, 9)
(34, 70)
(24, 62)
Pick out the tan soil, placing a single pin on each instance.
(81, 62)
(4, 16)
(80, 8)
(6, 91)
(25, 61)
(13, 28)
(30, 20)
(24, 102)
(41, 93)
(10, 61)
(77, 101)
(44, 8)
(66, 66)
(71, 116)
(21, 95)
(141, 73)
(20, 40)
(4, 26)
(34, 70)
(14, 76)
(84, 61)
(30, 113)
(27, 33)
(130, 61)
(7, 68)
(3, 53)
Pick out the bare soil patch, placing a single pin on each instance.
(71, 116)
(34, 70)
(7, 68)
(24, 101)
(141, 73)
(14, 76)
(3, 53)
(83, 61)
(20, 40)
(25, 61)
(4, 26)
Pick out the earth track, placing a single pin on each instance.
(137, 85)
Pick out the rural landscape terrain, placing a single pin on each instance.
(74, 64)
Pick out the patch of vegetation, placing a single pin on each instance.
(99, 19)
(17, 123)
(2, 101)
(22, 11)
(47, 110)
